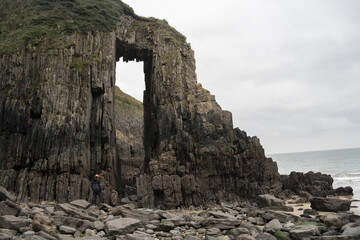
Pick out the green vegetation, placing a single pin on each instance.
(24, 21)
(126, 103)
(281, 235)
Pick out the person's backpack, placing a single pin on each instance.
(96, 187)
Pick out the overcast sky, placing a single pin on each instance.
(288, 70)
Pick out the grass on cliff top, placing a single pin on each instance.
(125, 103)
(22, 21)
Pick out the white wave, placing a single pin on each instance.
(347, 178)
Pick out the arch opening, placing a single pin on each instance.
(132, 112)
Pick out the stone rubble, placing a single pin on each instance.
(236, 221)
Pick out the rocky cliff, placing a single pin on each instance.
(57, 119)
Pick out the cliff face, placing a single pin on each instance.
(56, 118)
(193, 155)
(57, 123)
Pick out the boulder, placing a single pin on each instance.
(273, 226)
(46, 236)
(311, 212)
(9, 207)
(44, 223)
(353, 232)
(12, 222)
(219, 214)
(166, 225)
(330, 204)
(74, 211)
(137, 235)
(213, 231)
(343, 191)
(268, 200)
(129, 210)
(223, 224)
(5, 236)
(265, 236)
(301, 232)
(245, 237)
(67, 230)
(121, 226)
(99, 225)
(80, 203)
(4, 195)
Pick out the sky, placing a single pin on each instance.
(289, 71)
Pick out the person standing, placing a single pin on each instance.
(96, 187)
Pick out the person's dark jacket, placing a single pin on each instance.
(96, 185)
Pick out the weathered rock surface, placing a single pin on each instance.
(330, 204)
(121, 226)
(57, 124)
(227, 222)
(268, 200)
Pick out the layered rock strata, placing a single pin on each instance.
(57, 120)
(193, 155)
(57, 126)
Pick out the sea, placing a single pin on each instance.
(342, 164)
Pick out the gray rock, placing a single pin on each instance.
(99, 225)
(273, 226)
(64, 237)
(44, 223)
(219, 214)
(254, 231)
(238, 231)
(222, 224)
(90, 233)
(121, 226)
(265, 236)
(5, 195)
(9, 207)
(75, 212)
(223, 238)
(352, 232)
(80, 203)
(191, 237)
(11, 222)
(330, 204)
(338, 220)
(213, 231)
(67, 230)
(301, 232)
(36, 210)
(27, 234)
(137, 235)
(282, 217)
(37, 237)
(268, 200)
(245, 237)
(311, 212)
(46, 235)
(166, 225)
(210, 238)
(4, 236)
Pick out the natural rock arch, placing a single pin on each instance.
(57, 122)
(192, 153)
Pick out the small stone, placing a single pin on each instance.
(80, 203)
(213, 231)
(90, 233)
(67, 230)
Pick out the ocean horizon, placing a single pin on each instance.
(342, 164)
